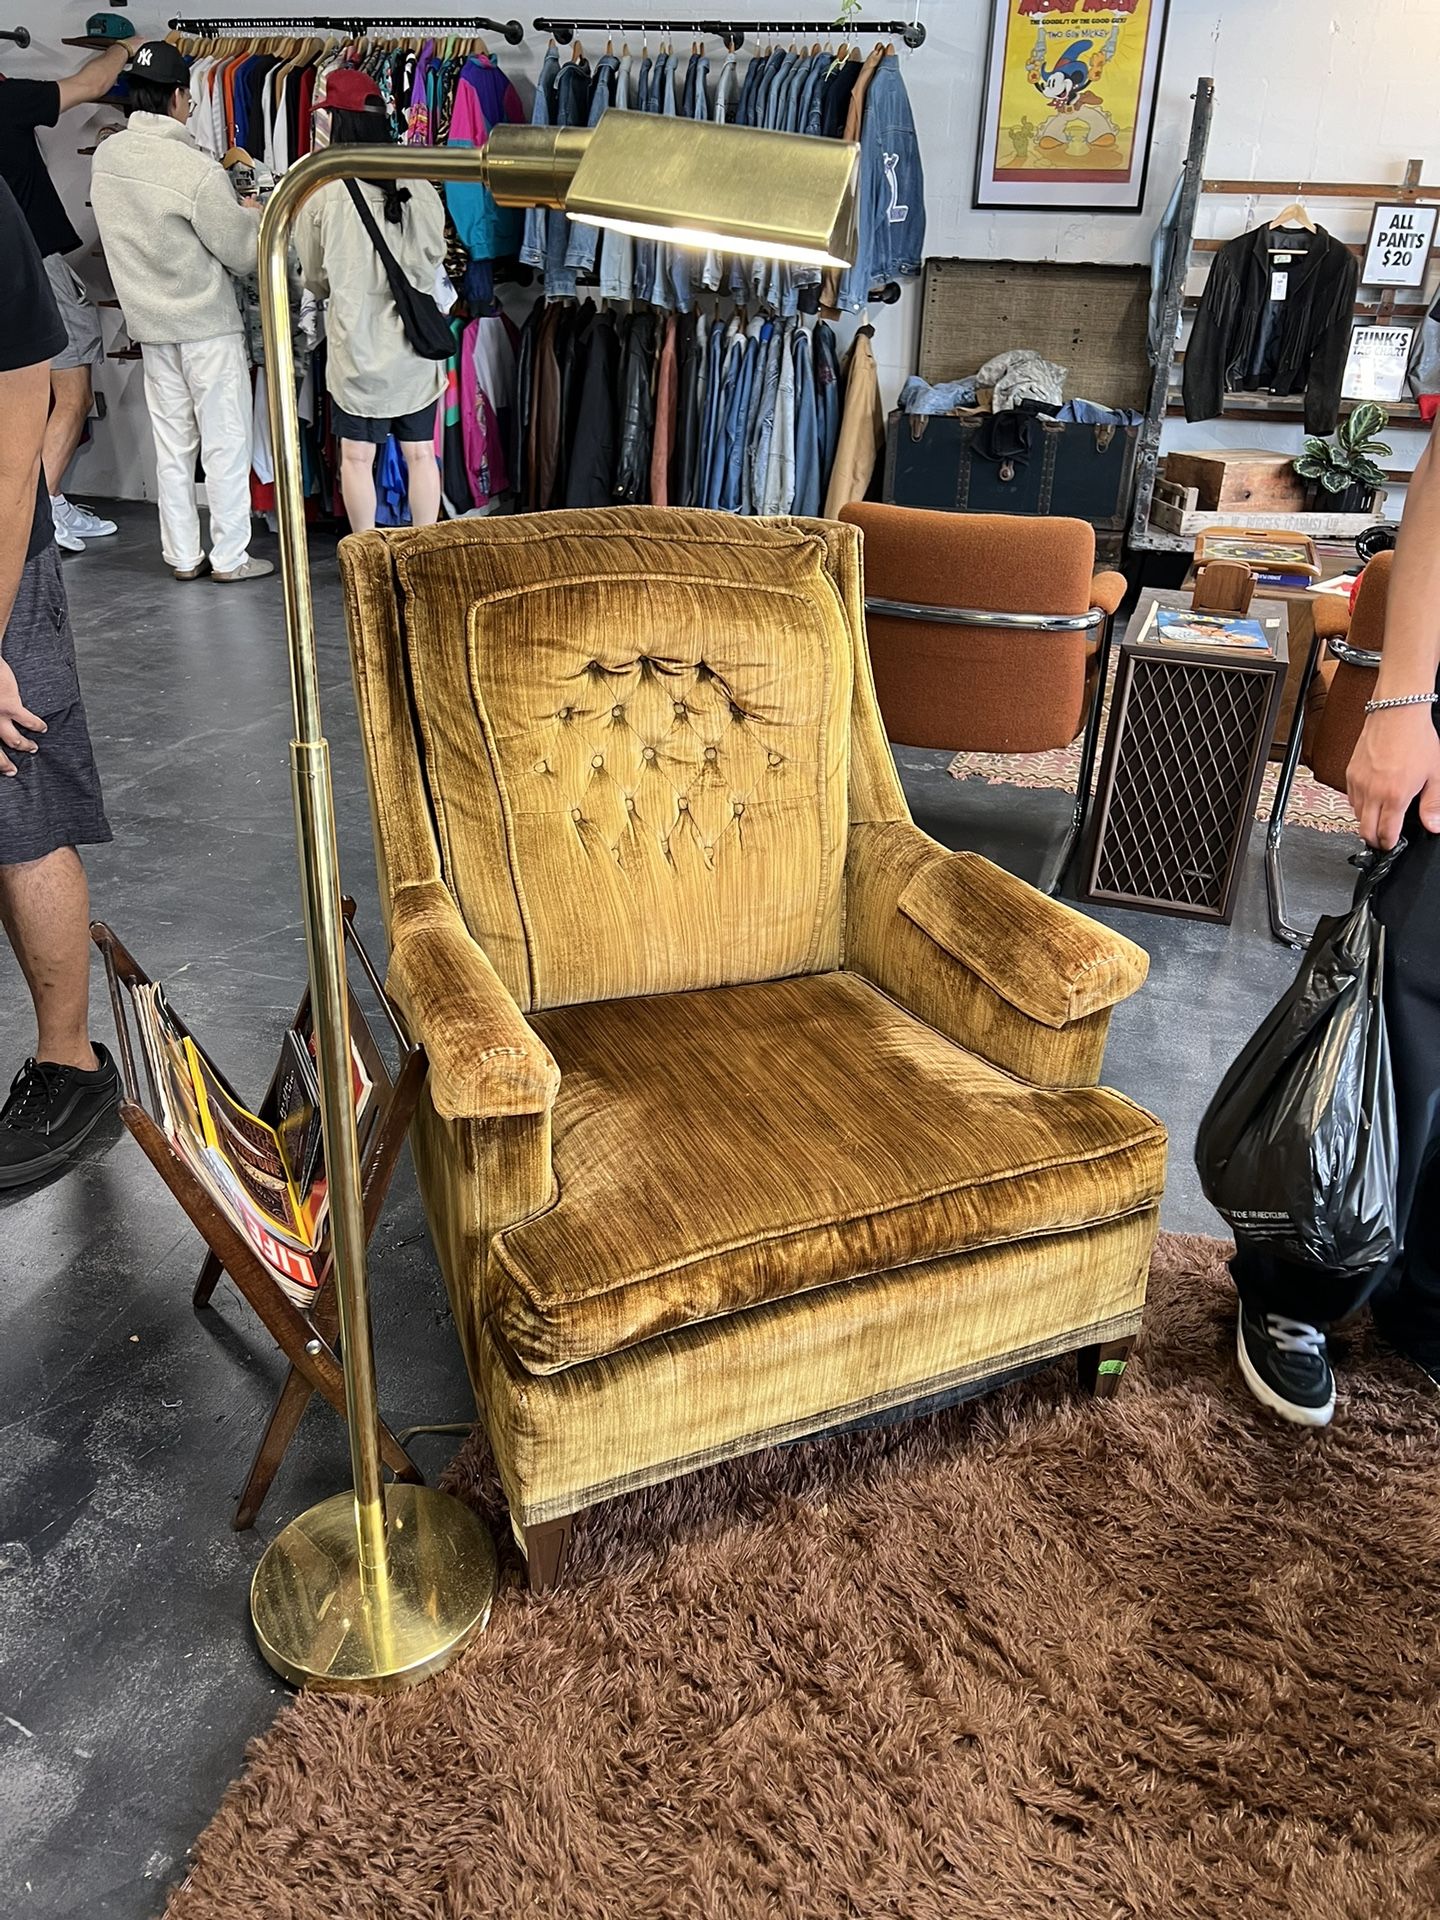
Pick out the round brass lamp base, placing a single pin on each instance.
(428, 1601)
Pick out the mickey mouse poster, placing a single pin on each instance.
(1069, 104)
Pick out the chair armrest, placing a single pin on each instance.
(1331, 614)
(1045, 960)
(1007, 973)
(1107, 590)
(486, 1062)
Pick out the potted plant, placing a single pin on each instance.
(1342, 473)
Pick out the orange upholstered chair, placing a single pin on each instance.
(1339, 678)
(988, 633)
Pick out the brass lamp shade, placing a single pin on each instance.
(777, 196)
(696, 183)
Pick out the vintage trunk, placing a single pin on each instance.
(1091, 320)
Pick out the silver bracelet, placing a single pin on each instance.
(1402, 700)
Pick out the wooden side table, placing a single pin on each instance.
(1185, 751)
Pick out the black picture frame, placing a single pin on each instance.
(987, 136)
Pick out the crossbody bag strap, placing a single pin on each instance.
(393, 271)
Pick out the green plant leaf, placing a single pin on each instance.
(1365, 419)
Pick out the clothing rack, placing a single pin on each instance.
(732, 32)
(443, 23)
(20, 35)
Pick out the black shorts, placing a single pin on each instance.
(53, 800)
(412, 427)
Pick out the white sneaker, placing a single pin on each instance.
(67, 541)
(78, 520)
(251, 570)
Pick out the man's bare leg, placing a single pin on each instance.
(45, 910)
(70, 390)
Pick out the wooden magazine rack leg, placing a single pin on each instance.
(306, 1340)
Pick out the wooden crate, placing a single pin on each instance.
(1176, 510)
(1253, 479)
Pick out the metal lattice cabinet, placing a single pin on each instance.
(1184, 756)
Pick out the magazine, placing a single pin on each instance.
(268, 1181)
(1185, 627)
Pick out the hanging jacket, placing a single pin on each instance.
(862, 428)
(1246, 341)
(891, 190)
(637, 410)
(484, 98)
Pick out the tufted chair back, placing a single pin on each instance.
(621, 737)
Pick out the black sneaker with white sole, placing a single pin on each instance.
(50, 1112)
(1286, 1366)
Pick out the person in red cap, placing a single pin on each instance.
(378, 384)
(174, 235)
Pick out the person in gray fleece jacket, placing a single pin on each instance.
(174, 234)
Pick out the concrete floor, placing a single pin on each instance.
(128, 1679)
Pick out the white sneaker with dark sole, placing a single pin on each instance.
(1285, 1365)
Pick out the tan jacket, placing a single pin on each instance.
(371, 369)
(862, 429)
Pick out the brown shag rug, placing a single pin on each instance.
(1158, 1658)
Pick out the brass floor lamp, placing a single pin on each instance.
(376, 1588)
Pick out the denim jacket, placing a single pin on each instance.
(892, 190)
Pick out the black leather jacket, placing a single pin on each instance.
(1243, 341)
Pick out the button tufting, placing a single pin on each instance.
(775, 758)
(575, 813)
(709, 753)
(597, 760)
(680, 706)
(630, 803)
(564, 713)
(739, 808)
(684, 805)
(617, 713)
(647, 753)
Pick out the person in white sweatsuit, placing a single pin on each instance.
(174, 234)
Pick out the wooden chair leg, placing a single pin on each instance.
(207, 1280)
(1101, 1368)
(547, 1549)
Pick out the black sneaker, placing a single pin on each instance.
(51, 1110)
(1286, 1367)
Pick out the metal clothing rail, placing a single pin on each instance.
(732, 32)
(445, 23)
(20, 35)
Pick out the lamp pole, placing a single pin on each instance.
(379, 1587)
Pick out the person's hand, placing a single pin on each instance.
(1396, 757)
(14, 715)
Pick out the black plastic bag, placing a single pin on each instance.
(1299, 1147)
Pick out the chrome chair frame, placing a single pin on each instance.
(1274, 873)
(1051, 876)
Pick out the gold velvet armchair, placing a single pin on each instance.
(752, 1112)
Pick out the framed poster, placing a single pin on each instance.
(1069, 104)
(1398, 250)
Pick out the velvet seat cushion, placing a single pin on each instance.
(720, 1149)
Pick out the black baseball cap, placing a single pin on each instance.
(158, 64)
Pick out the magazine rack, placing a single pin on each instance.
(306, 1337)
